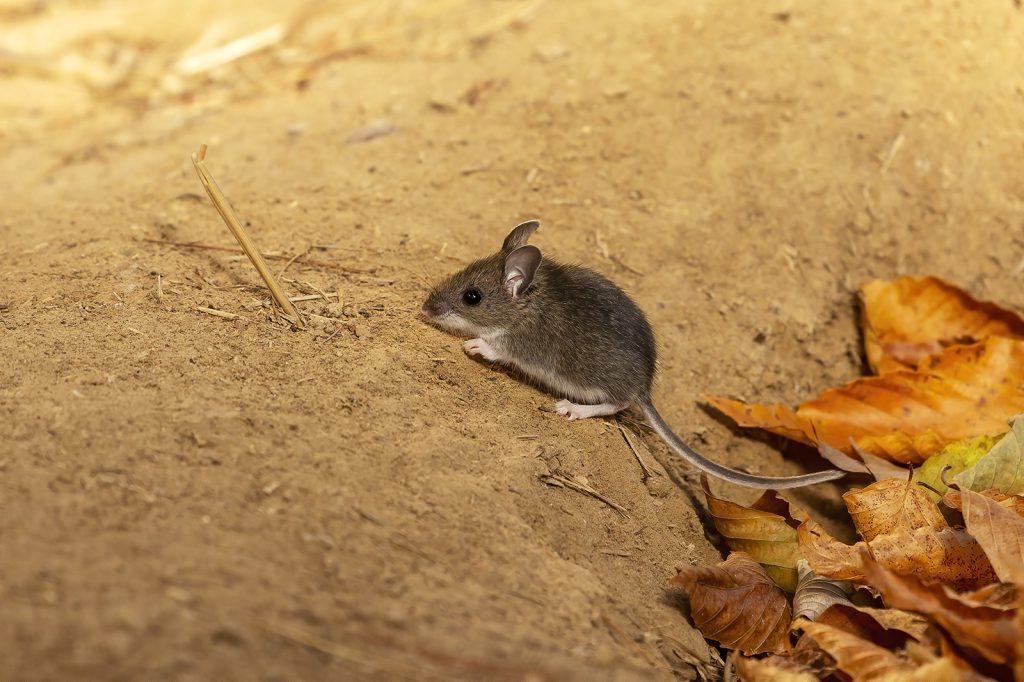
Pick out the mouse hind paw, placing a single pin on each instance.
(574, 411)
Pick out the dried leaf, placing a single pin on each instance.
(960, 455)
(1002, 468)
(888, 628)
(841, 460)
(892, 505)
(940, 670)
(764, 531)
(1014, 503)
(989, 631)
(858, 658)
(905, 416)
(880, 468)
(907, 319)
(827, 556)
(815, 593)
(999, 531)
(772, 669)
(738, 605)
(895, 619)
(949, 555)
(997, 595)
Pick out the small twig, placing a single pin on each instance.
(248, 246)
(292, 260)
(648, 472)
(218, 313)
(894, 148)
(313, 297)
(560, 481)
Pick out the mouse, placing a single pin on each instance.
(573, 332)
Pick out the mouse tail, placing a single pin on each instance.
(724, 472)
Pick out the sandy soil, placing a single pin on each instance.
(184, 496)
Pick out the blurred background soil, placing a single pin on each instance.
(193, 497)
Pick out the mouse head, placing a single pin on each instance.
(484, 298)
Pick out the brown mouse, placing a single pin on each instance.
(574, 332)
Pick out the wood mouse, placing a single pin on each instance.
(574, 332)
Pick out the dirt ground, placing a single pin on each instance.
(184, 496)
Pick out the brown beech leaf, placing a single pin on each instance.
(905, 416)
(773, 669)
(949, 555)
(1001, 596)
(858, 658)
(764, 530)
(888, 628)
(737, 604)
(999, 531)
(944, 669)
(892, 505)
(906, 319)
(989, 631)
(815, 593)
(1018, 669)
(827, 556)
(1014, 503)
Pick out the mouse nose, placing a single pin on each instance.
(429, 310)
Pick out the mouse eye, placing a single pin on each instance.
(472, 296)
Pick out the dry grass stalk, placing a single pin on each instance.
(560, 481)
(218, 313)
(648, 472)
(248, 246)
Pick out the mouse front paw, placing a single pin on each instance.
(482, 349)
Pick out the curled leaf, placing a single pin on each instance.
(773, 669)
(815, 593)
(764, 531)
(906, 319)
(989, 631)
(827, 556)
(960, 455)
(1002, 467)
(999, 531)
(1014, 503)
(737, 604)
(944, 669)
(858, 658)
(881, 468)
(892, 505)
(905, 416)
(888, 628)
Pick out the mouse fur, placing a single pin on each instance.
(572, 331)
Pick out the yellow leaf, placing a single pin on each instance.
(960, 455)
(891, 505)
(905, 416)
(906, 319)
(768, 537)
(1002, 468)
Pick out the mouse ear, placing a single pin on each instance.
(520, 267)
(520, 234)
